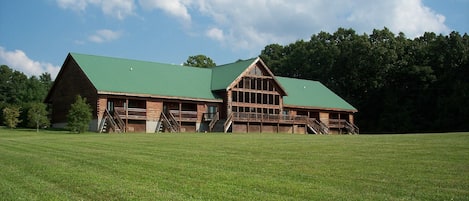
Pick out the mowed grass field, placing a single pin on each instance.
(56, 165)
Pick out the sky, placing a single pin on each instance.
(37, 35)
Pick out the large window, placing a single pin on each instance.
(256, 93)
(256, 71)
(256, 83)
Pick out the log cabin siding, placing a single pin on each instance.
(73, 82)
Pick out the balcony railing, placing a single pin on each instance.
(270, 118)
(132, 113)
(190, 116)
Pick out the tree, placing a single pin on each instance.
(200, 61)
(79, 115)
(10, 115)
(37, 116)
(397, 84)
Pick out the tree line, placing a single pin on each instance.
(21, 99)
(21, 102)
(397, 84)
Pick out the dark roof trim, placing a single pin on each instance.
(158, 96)
(319, 108)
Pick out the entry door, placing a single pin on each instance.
(110, 105)
(212, 110)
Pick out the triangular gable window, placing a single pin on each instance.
(257, 71)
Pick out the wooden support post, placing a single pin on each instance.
(126, 106)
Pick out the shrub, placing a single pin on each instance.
(79, 115)
(10, 116)
(37, 116)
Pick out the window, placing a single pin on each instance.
(234, 96)
(253, 98)
(277, 100)
(271, 99)
(212, 109)
(189, 107)
(256, 71)
(241, 84)
(241, 97)
(246, 82)
(259, 98)
(253, 83)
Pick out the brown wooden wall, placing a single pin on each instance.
(70, 83)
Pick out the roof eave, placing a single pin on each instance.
(159, 96)
(321, 108)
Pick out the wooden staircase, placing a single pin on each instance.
(317, 127)
(228, 123)
(213, 122)
(168, 123)
(111, 123)
(352, 128)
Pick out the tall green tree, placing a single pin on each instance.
(10, 115)
(200, 61)
(37, 116)
(398, 84)
(79, 115)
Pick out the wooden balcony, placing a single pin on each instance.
(337, 123)
(132, 113)
(185, 116)
(268, 118)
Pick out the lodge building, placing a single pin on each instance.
(242, 97)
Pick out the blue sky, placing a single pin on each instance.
(36, 35)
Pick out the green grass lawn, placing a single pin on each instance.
(56, 165)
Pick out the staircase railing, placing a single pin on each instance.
(102, 123)
(109, 119)
(352, 128)
(228, 123)
(317, 126)
(212, 123)
(324, 127)
(120, 123)
(174, 122)
(169, 122)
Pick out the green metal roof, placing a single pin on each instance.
(140, 77)
(223, 76)
(309, 93)
(118, 75)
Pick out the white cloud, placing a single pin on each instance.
(256, 23)
(176, 8)
(412, 18)
(115, 8)
(104, 35)
(215, 33)
(19, 61)
(76, 5)
(253, 24)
